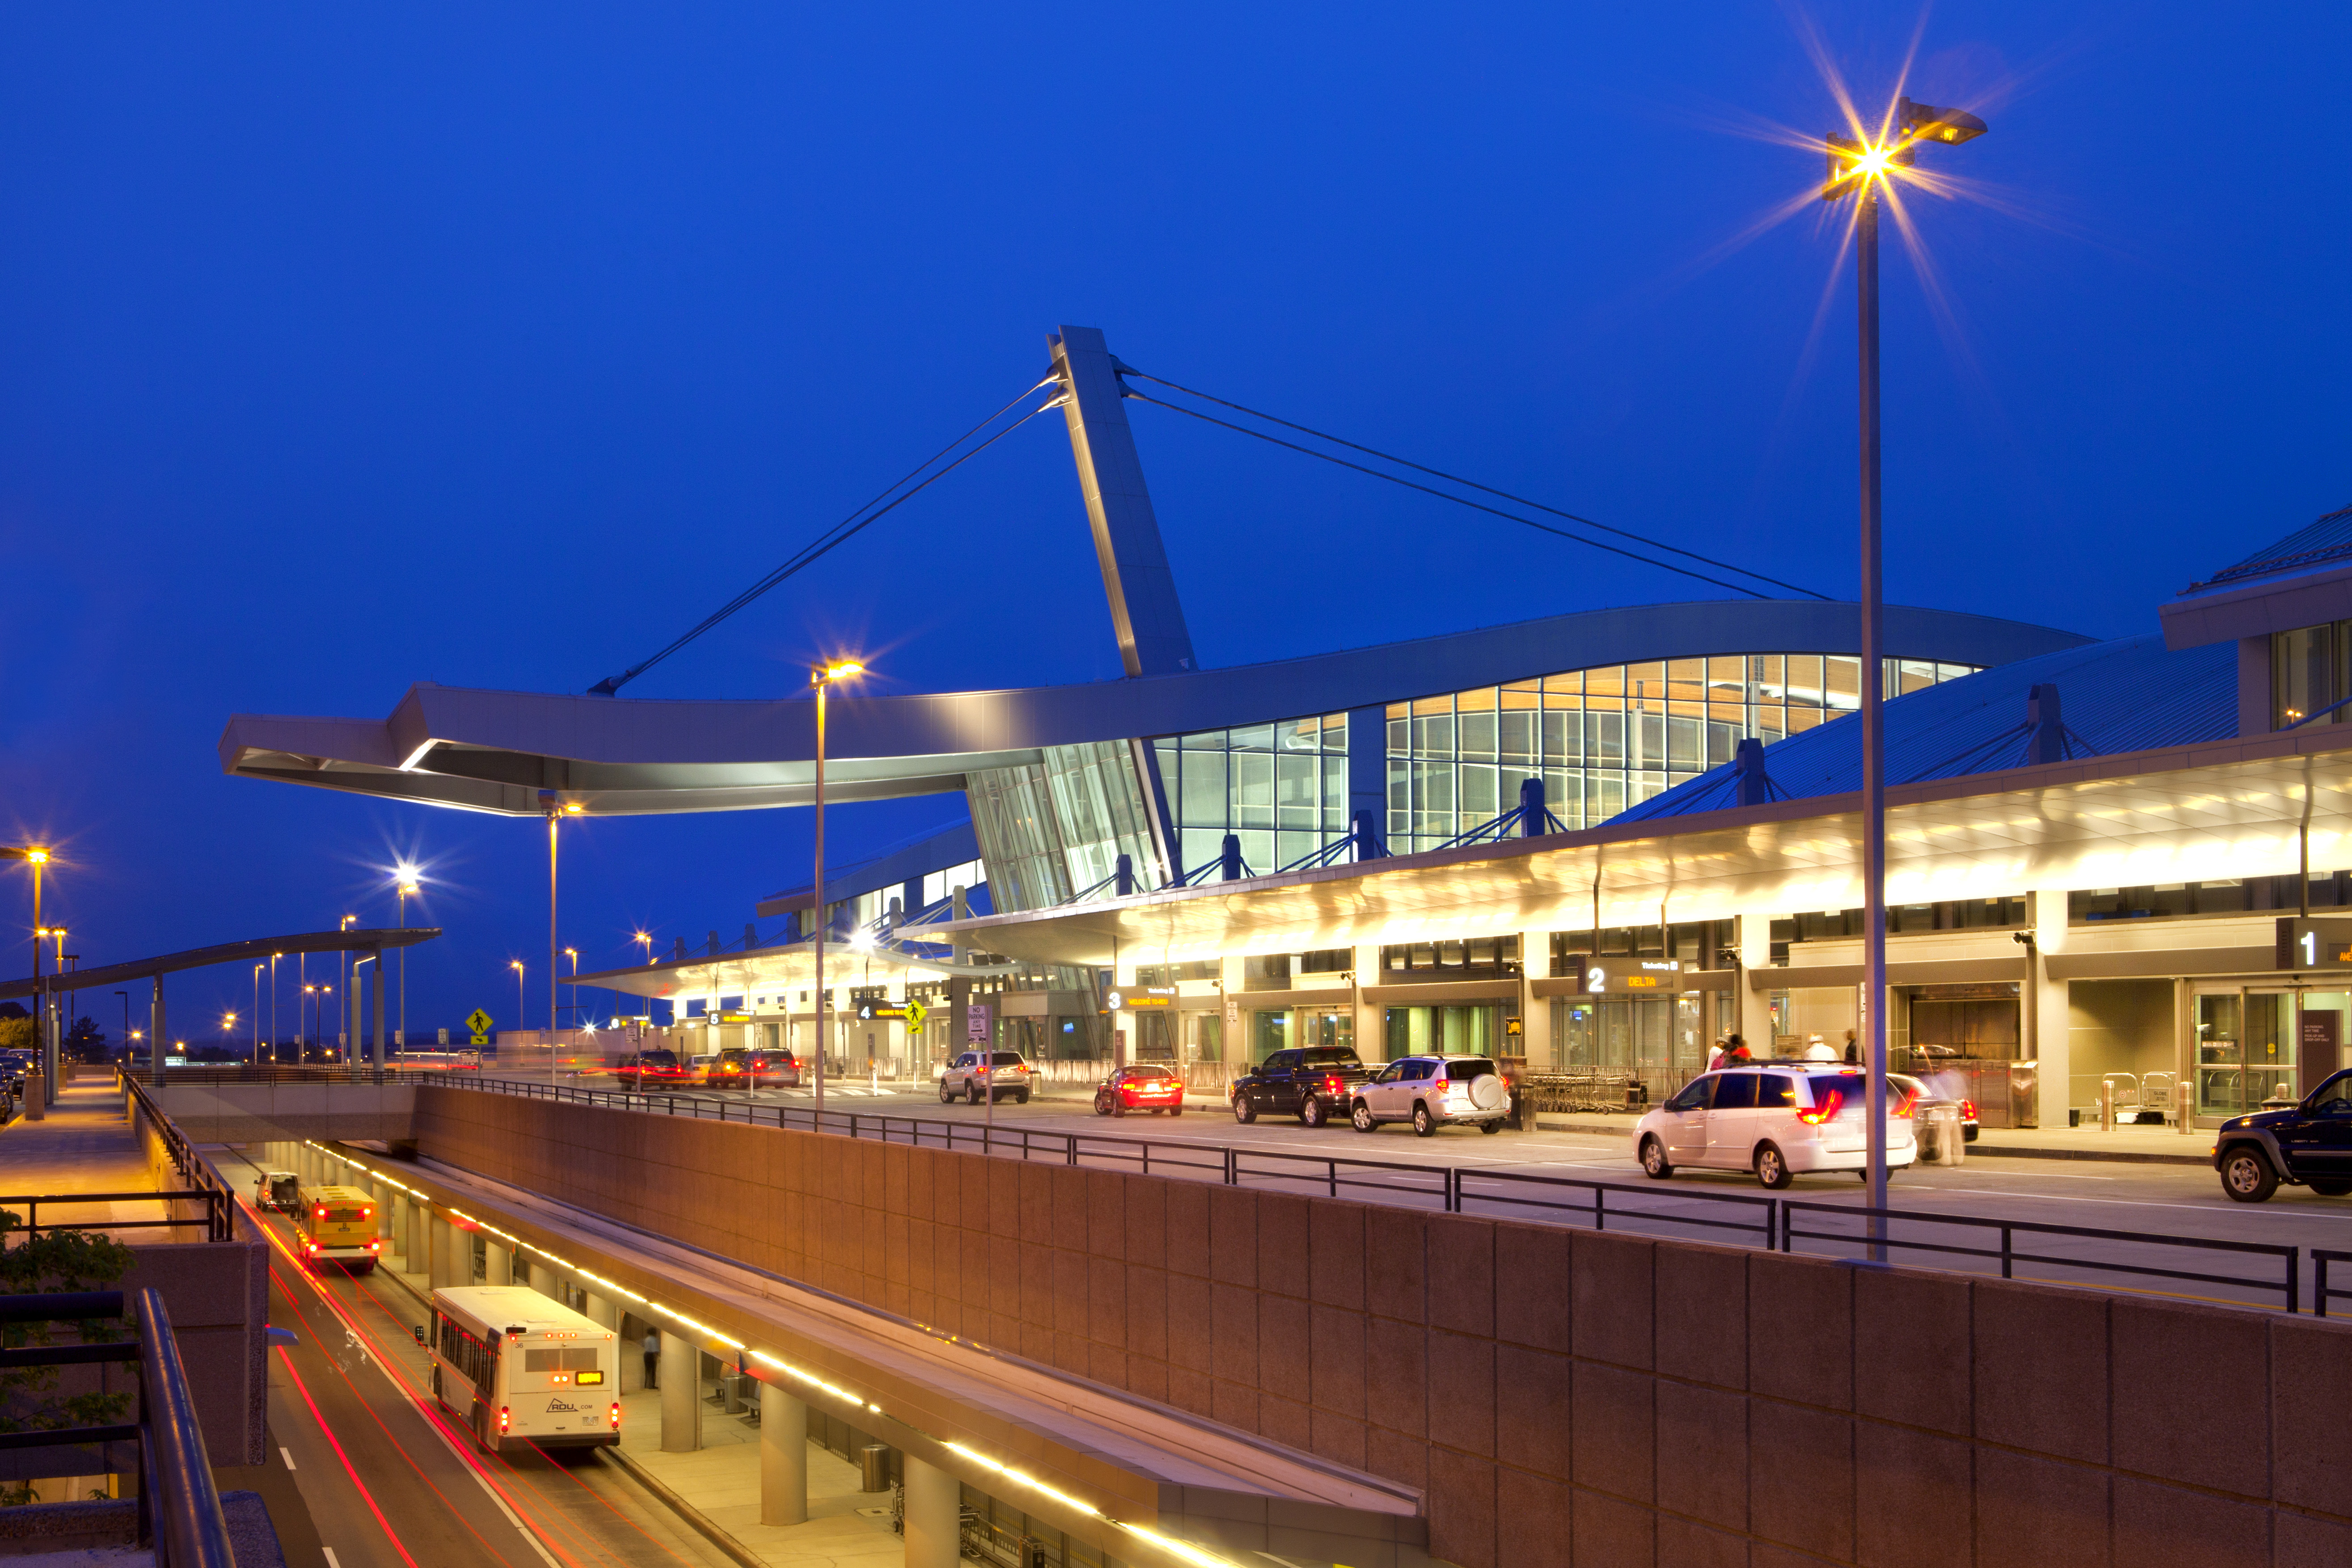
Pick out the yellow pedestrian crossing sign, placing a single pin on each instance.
(480, 1022)
(915, 1014)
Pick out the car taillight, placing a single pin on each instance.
(1902, 1107)
(1968, 1111)
(1331, 1084)
(502, 1420)
(616, 1416)
(1824, 1110)
(1439, 1085)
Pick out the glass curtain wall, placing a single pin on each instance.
(1281, 788)
(1607, 737)
(1601, 739)
(1049, 830)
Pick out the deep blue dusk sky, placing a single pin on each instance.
(493, 346)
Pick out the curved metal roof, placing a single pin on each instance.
(498, 750)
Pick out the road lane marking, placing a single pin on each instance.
(331, 1557)
(288, 1456)
(348, 1469)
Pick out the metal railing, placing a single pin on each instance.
(1771, 1224)
(2009, 1254)
(2322, 1293)
(207, 1185)
(215, 1221)
(179, 1505)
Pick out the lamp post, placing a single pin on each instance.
(343, 967)
(301, 1019)
(823, 678)
(256, 1013)
(37, 856)
(1857, 168)
(573, 955)
(404, 881)
(557, 810)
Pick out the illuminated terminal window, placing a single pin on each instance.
(1601, 739)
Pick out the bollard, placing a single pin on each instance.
(36, 1102)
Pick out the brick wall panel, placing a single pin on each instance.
(1461, 1274)
(2227, 1446)
(1396, 1378)
(2036, 1513)
(1337, 1379)
(1283, 1348)
(1531, 1286)
(1188, 1344)
(2040, 1369)
(1232, 1237)
(2310, 1421)
(1534, 1398)
(1146, 1311)
(1336, 1255)
(1462, 1512)
(1815, 1367)
(1396, 1267)
(1933, 1476)
(1462, 1393)
(1611, 1310)
(1105, 1217)
(1284, 1245)
(1146, 1231)
(1187, 1227)
(1612, 1433)
(1786, 1440)
(1701, 1461)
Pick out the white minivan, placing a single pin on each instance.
(1778, 1120)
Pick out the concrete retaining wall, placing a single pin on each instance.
(265, 1112)
(1562, 1396)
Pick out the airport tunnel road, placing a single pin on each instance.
(391, 1481)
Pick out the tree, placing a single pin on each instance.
(18, 1034)
(56, 1260)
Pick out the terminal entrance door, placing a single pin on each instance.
(2245, 1051)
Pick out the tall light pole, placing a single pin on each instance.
(126, 1026)
(256, 1013)
(404, 877)
(274, 1036)
(573, 955)
(343, 967)
(1857, 168)
(823, 678)
(557, 810)
(37, 856)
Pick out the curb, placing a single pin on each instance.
(686, 1510)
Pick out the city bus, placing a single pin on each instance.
(338, 1225)
(519, 1368)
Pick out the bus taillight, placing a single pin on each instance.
(616, 1416)
(322, 1211)
(502, 1420)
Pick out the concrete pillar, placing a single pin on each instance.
(497, 1264)
(415, 1242)
(384, 1202)
(542, 1279)
(784, 1458)
(681, 1393)
(436, 1252)
(605, 1314)
(1371, 1018)
(1535, 1011)
(1754, 1007)
(933, 1500)
(2049, 997)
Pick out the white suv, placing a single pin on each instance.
(1776, 1118)
(1430, 1091)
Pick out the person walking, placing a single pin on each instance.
(1817, 1050)
(1714, 1055)
(653, 1358)
(1853, 1050)
(1737, 1056)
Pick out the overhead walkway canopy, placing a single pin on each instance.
(228, 952)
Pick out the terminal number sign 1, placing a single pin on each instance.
(2307, 943)
(480, 1022)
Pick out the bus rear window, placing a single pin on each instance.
(581, 1358)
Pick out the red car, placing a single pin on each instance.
(650, 1070)
(1152, 1089)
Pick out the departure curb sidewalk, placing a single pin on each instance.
(702, 1522)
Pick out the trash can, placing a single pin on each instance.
(874, 1468)
(1637, 1095)
(732, 1392)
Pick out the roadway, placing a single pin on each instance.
(2142, 1200)
(365, 1470)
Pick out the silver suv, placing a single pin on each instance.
(969, 1076)
(1430, 1092)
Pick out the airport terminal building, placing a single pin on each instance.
(2092, 844)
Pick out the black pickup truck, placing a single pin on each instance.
(1306, 1083)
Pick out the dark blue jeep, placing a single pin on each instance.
(2309, 1144)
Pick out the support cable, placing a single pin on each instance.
(1458, 479)
(840, 532)
(1457, 500)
